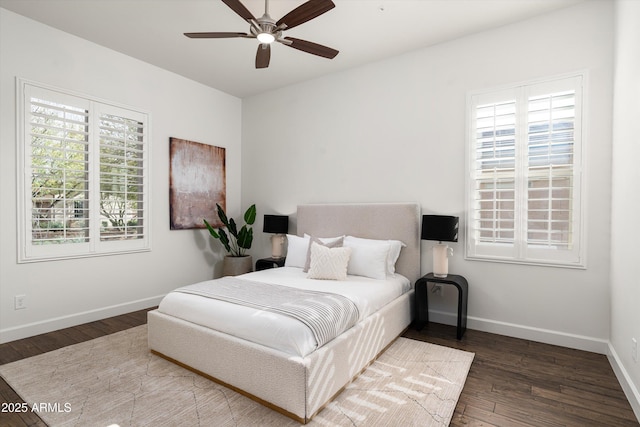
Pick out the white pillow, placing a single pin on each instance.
(395, 246)
(296, 251)
(330, 243)
(328, 263)
(326, 240)
(368, 259)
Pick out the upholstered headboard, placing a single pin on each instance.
(399, 221)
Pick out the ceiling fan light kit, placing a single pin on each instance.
(267, 30)
(266, 38)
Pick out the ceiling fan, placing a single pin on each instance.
(267, 30)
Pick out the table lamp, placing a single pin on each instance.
(279, 225)
(443, 229)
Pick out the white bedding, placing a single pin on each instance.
(276, 330)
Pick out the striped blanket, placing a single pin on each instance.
(327, 315)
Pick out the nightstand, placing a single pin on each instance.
(422, 299)
(265, 263)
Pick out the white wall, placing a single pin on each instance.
(62, 293)
(625, 234)
(395, 131)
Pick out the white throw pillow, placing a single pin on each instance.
(368, 259)
(395, 246)
(330, 243)
(328, 263)
(296, 251)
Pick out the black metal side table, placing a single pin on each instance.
(422, 299)
(265, 263)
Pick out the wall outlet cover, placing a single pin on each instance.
(20, 302)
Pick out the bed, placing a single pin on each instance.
(294, 377)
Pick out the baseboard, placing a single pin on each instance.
(36, 328)
(547, 336)
(630, 390)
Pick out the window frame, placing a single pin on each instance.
(519, 252)
(94, 246)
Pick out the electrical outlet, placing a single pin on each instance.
(634, 350)
(20, 302)
(437, 290)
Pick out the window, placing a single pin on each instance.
(524, 186)
(83, 168)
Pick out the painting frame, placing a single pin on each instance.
(197, 182)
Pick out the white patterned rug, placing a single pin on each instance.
(115, 381)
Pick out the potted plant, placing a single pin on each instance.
(235, 241)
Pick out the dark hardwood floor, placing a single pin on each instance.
(512, 382)
(515, 382)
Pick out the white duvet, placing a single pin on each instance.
(276, 330)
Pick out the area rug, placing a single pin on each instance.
(116, 381)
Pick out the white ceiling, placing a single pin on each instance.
(362, 30)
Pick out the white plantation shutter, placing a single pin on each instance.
(524, 174)
(122, 177)
(58, 143)
(83, 180)
(495, 170)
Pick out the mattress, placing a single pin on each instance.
(275, 330)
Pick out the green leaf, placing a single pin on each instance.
(250, 215)
(212, 230)
(222, 215)
(233, 228)
(245, 237)
(225, 240)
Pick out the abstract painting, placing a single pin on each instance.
(197, 181)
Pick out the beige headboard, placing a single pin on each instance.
(399, 221)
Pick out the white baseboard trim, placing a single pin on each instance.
(44, 326)
(547, 336)
(630, 390)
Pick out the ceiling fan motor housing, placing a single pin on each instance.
(265, 25)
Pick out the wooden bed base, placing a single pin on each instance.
(299, 387)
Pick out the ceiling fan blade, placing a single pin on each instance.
(216, 35)
(239, 8)
(305, 12)
(263, 55)
(310, 47)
